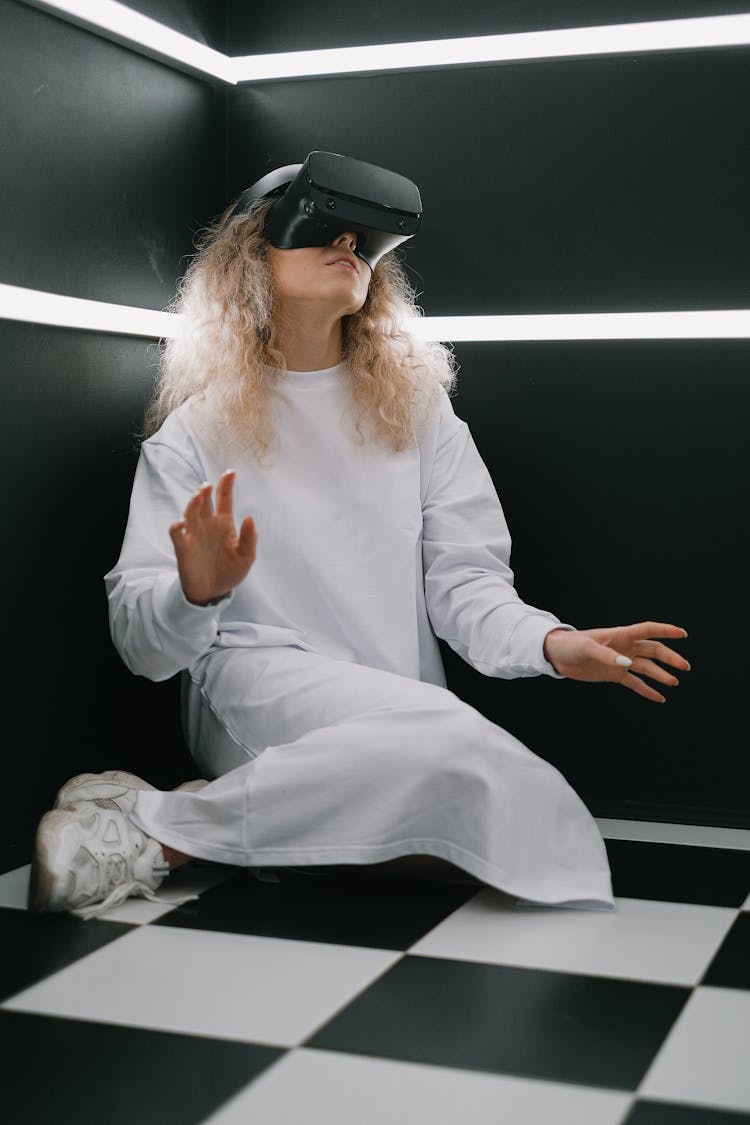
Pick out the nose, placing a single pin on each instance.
(349, 237)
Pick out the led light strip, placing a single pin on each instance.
(732, 323)
(658, 35)
(122, 24)
(34, 306)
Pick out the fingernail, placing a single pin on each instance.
(684, 633)
(625, 661)
(227, 471)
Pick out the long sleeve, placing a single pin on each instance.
(154, 628)
(469, 592)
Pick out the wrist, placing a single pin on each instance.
(207, 601)
(548, 646)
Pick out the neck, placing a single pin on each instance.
(308, 341)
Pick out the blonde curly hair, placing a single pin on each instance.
(225, 359)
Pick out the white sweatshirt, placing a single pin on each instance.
(363, 554)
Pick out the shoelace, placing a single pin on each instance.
(123, 890)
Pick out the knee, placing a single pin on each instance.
(473, 750)
(466, 732)
(460, 754)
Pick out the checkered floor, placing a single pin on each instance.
(334, 997)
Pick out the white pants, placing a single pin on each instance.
(321, 761)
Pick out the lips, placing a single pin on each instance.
(348, 258)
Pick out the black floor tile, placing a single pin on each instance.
(380, 913)
(36, 945)
(535, 1024)
(667, 1113)
(730, 967)
(72, 1072)
(679, 873)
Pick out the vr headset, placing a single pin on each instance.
(330, 194)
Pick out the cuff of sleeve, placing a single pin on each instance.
(183, 617)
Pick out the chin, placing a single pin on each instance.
(353, 309)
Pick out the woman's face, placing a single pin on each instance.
(328, 274)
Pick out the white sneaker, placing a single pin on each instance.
(88, 858)
(111, 789)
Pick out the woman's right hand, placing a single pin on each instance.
(211, 558)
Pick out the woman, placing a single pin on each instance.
(314, 695)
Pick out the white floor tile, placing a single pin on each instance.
(228, 986)
(668, 942)
(699, 835)
(340, 1089)
(705, 1059)
(14, 886)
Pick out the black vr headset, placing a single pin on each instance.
(330, 194)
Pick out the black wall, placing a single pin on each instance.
(610, 184)
(569, 186)
(111, 162)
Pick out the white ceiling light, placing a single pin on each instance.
(75, 312)
(123, 25)
(658, 35)
(37, 307)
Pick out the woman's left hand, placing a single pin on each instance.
(591, 655)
